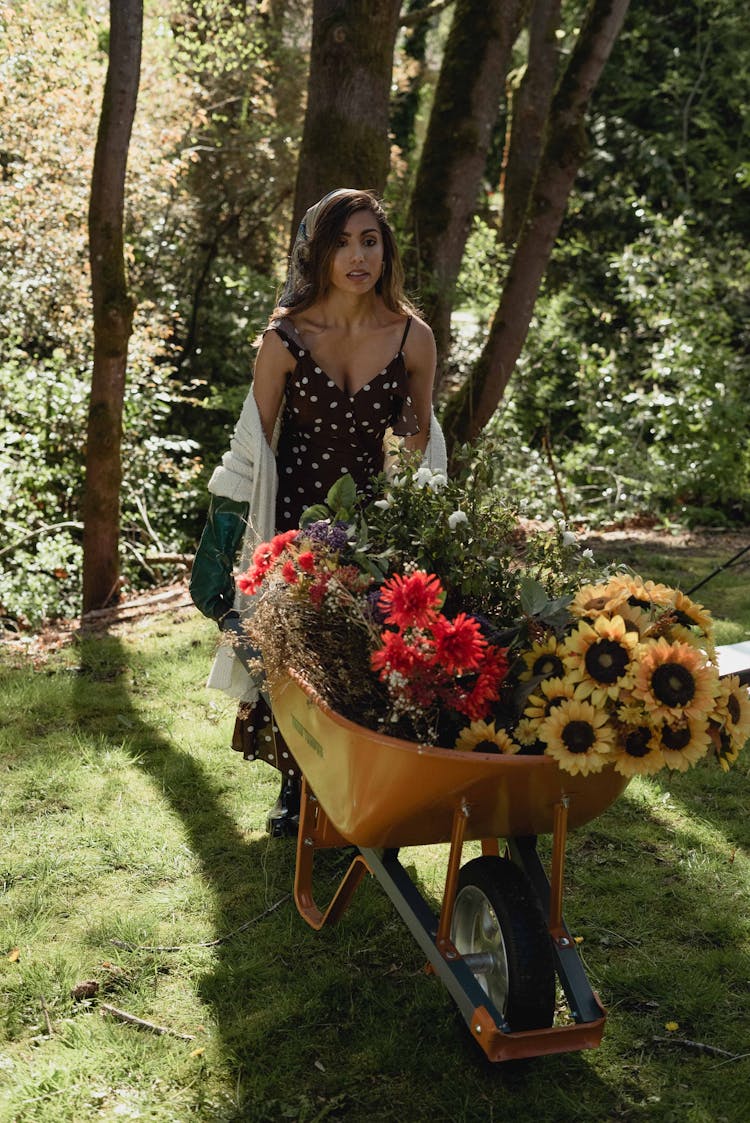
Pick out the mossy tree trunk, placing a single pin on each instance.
(470, 409)
(345, 137)
(528, 115)
(112, 307)
(405, 99)
(464, 113)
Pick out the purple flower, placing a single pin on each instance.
(334, 535)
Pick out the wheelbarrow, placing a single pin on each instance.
(500, 941)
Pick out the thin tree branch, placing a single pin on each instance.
(204, 943)
(131, 1019)
(698, 1046)
(33, 534)
(424, 13)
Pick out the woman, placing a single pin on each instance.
(343, 360)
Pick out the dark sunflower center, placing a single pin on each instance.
(549, 666)
(637, 741)
(606, 661)
(675, 737)
(682, 618)
(725, 743)
(578, 736)
(636, 603)
(673, 684)
(733, 708)
(487, 747)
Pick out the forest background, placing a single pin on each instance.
(629, 397)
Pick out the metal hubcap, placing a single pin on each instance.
(477, 935)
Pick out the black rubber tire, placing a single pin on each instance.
(497, 911)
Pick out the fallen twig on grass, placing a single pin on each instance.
(203, 943)
(45, 1010)
(131, 1019)
(699, 1047)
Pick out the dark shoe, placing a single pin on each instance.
(283, 818)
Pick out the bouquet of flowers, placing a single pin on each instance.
(433, 614)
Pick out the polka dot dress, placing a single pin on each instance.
(326, 432)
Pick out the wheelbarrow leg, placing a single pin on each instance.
(316, 832)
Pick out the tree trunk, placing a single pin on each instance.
(565, 147)
(112, 307)
(528, 116)
(405, 101)
(345, 137)
(464, 112)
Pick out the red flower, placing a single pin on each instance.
(413, 601)
(459, 643)
(318, 589)
(394, 655)
(280, 542)
(289, 573)
(475, 702)
(306, 561)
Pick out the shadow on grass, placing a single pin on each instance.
(344, 1024)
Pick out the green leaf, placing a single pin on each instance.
(342, 496)
(314, 514)
(534, 600)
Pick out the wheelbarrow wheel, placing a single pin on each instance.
(498, 922)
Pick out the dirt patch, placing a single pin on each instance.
(172, 600)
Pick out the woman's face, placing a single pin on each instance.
(358, 258)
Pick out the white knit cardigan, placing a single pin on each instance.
(247, 474)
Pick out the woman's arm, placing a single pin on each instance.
(421, 359)
(272, 364)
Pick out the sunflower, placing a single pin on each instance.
(638, 602)
(679, 633)
(527, 731)
(690, 614)
(637, 751)
(726, 750)
(599, 658)
(543, 660)
(731, 727)
(683, 742)
(482, 737)
(578, 736)
(591, 601)
(553, 692)
(673, 680)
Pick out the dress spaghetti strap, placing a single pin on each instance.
(406, 332)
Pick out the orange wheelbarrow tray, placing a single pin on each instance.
(500, 940)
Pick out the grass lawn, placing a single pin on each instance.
(134, 856)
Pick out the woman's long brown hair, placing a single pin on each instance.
(315, 256)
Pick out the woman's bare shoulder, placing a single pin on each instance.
(420, 336)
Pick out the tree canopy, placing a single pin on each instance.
(631, 378)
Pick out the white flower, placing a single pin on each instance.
(588, 555)
(558, 515)
(384, 503)
(568, 538)
(425, 477)
(455, 518)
